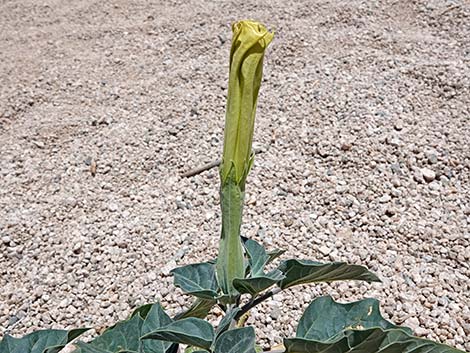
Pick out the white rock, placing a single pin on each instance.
(428, 174)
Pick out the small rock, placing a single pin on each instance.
(180, 254)
(77, 247)
(276, 312)
(418, 176)
(398, 126)
(288, 222)
(346, 146)
(393, 141)
(168, 267)
(395, 167)
(88, 161)
(428, 174)
(113, 207)
(181, 204)
(12, 320)
(385, 198)
(39, 144)
(396, 182)
(432, 157)
(412, 323)
(324, 250)
(421, 332)
(390, 211)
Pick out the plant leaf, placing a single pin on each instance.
(197, 279)
(257, 256)
(191, 331)
(274, 254)
(331, 327)
(125, 335)
(306, 271)
(374, 340)
(156, 318)
(199, 309)
(224, 324)
(255, 285)
(42, 341)
(142, 310)
(324, 318)
(192, 349)
(240, 340)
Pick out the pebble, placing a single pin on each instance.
(276, 312)
(385, 198)
(324, 250)
(113, 207)
(428, 174)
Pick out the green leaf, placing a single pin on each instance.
(224, 324)
(274, 254)
(199, 309)
(257, 257)
(375, 340)
(324, 318)
(42, 341)
(306, 271)
(331, 327)
(240, 340)
(191, 331)
(156, 318)
(257, 284)
(142, 311)
(192, 349)
(197, 279)
(125, 335)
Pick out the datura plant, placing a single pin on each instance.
(244, 274)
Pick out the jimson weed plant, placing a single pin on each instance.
(238, 279)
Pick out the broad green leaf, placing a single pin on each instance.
(197, 279)
(191, 331)
(324, 318)
(224, 324)
(199, 309)
(374, 340)
(125, 335)
(43, 341)
(240, 340)
(306, 271)
(257, 257)
(255, 285)
(156, 318)
(331, 327)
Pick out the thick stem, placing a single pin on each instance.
(252, 303)
(230, 261)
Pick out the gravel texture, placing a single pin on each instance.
(364, 115)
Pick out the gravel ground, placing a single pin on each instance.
(364, 115)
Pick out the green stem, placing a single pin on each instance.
(230, 262)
